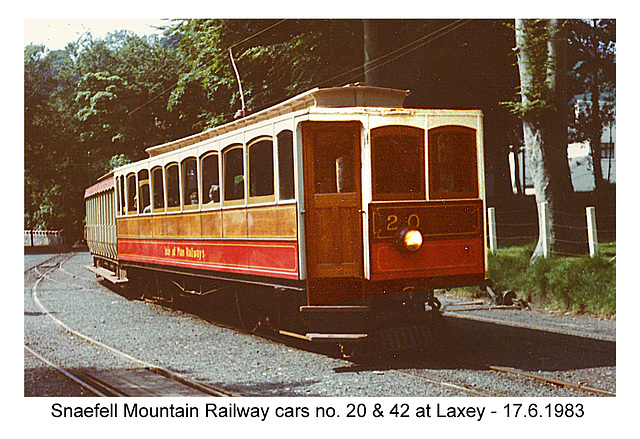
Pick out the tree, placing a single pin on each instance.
(88, 107)
(276, 59)
(49, 186)
(541, 46)
(100, 102)
(593, 76)
(375, 47)
(122, 97)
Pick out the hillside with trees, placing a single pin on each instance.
(101, 102)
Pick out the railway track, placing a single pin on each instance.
(134, 382)
(568, 341)
(145, 379)
(600, 346)
(141, 372)
(550, 381)
(507, 371)
(443, 383)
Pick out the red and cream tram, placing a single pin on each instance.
(335, 213)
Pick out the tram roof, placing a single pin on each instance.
(335, 97)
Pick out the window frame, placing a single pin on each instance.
(470, 159)
(336, 167)
(184, 181)
(225, 187)
(123, 196)
(118, 201)
(155, 209)
(174, 208)
(204, 156)
(284, 173)
(142, 182)
(387, 130)
(267, 198)
(132, 205)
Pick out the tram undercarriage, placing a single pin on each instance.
(409, 320)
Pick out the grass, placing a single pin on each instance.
(570, 284)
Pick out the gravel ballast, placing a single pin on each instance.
(250, 365)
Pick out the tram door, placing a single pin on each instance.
(332, 200)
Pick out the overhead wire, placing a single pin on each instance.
(400, 52)
(440, 32)
(418, 43)
(170, 88)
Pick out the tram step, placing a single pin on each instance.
(335, 338)
(106, 274)
(334, 308)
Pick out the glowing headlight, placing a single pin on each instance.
(412, 240)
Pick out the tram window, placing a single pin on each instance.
(190, 182)
(118, 199)
(233, 168)
(397, 156)
(210, 179)
(285, 164)
(453, 168)
(122, 195)
(132, 195)
(334, 162)
(158, 188)
(261, 170)
(144, 206)
(173, 186)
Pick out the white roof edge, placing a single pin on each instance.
(347, 96)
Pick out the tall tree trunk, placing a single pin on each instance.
(542, 64)
(595, 134)
(595, 129)
(374, 47)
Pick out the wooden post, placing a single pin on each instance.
(543, 224)
(491, 219)
(592, 231)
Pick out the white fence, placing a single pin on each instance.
(40, 238)
(543, 227)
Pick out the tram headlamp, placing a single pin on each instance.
(411, 240)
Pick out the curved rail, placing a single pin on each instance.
(65, 372)
(541, 378)
(152, 367)
(547, 380)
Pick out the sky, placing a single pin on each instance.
(57, 33)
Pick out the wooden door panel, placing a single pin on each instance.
(333, 220)
(338, 246)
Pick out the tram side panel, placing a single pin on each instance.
(100, 228)
(262, 241)
(212, 208)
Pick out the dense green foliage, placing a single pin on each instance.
(276, 59)
(582, 284)
(102, 102)
(85, 105)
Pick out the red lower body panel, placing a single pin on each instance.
(260, 258)
(437, 258)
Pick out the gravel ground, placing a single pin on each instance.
(253, 366)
